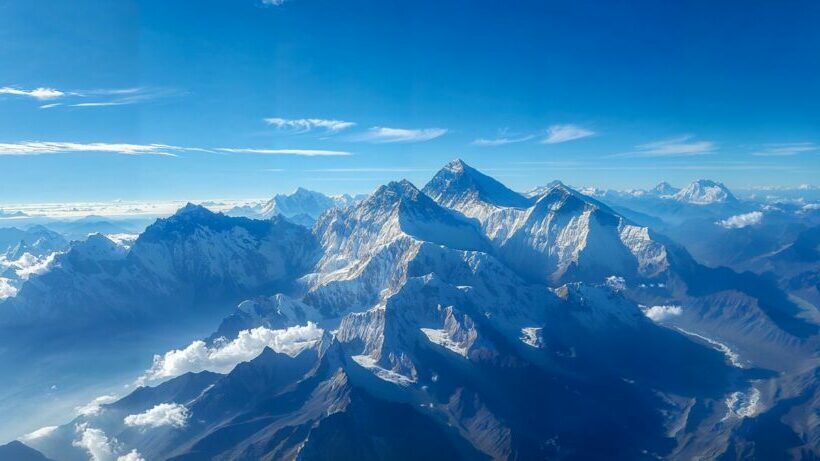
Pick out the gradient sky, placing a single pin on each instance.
(236, 93)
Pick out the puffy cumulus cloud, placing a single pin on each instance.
(7, 288)
(741, 220)
(224, 355)
(39, 433)
(132, 455)
(164, 414)
(383, 135)
(37, 93)
(659, 313)
(100, 447)
(303, 125)
(94, 407)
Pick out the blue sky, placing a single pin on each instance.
(103, 100)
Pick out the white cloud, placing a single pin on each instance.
(37, 93)
(223, 356)
(132, 455)
(39, 433)
(381, 135)
(94, 407)
(101, 448)
(47, 147)
(273, 2)
(741, 220)
(302, 152)
(483, 142)
(7, 288)
(786, 149)
(659, 313)
(164, 414)
(562, 133)
(303, 125)
(675, 147)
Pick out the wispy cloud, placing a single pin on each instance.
(100, 97)
(302, 152)
(273, 2)
(43, 148)
(49, 147)
(370, 170)
(563, 133)
(41, 94)
(303, 125)
(501, 141)
(383, 135)
(786, 149)
(682, 146)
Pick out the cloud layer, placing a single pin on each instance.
(675, 147)
(223, 356)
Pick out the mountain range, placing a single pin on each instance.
(462, 320)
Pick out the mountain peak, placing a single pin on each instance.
(664, 188)
(458, 182)
(704, 192)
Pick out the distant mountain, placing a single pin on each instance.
(36, 240)
(663, 188)
(17, 451)
(12, 214)
(704, 192)
(301, 207)
(193, 256)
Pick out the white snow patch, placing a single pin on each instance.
(743, 404)
(442, 338)
(616, 283)
(391, 376)
(733, 356)
(531, 336)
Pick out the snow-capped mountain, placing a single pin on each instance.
(304, 202)
(663, 188)
(460, 321)
(704, 192)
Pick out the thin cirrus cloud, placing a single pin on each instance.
(384, 135)
(93, 98)
(301, 152)
(786, 149)
(501, 141)
(50, 148)
(682, 146)
(41, 94)
(304, 125)
(557, 134)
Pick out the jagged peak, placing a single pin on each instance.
(457, 182)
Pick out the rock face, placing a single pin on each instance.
(462, 321)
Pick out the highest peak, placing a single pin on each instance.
(457, 166)
(457, 181)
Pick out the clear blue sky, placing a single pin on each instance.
(608, 93)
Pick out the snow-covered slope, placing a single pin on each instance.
(557, 235)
